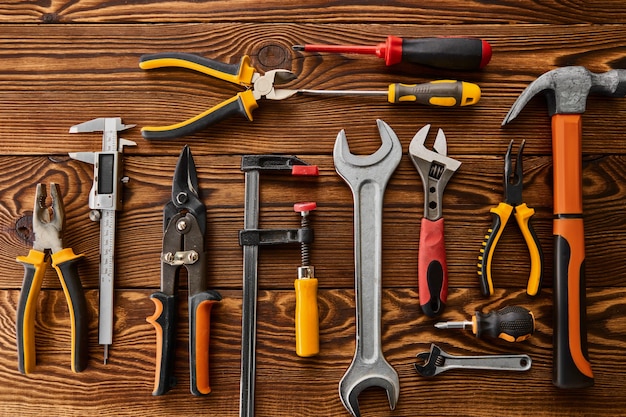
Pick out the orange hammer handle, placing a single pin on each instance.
(571, 364)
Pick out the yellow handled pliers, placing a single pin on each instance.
(513, 184)
(48, 229)
(257, 86)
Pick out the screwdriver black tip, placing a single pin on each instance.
(298, 47)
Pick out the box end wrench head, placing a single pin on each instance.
(367, 177)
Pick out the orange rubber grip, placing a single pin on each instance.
(571, 364)
(567, 162)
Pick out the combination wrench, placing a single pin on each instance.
(367, 177)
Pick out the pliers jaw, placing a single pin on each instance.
(48, 222)
(513, 179)
(264, 84)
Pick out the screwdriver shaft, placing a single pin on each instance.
(346, 92)
(454, 325)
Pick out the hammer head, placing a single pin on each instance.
(566, 90)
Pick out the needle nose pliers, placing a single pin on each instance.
(48, 226)
(513, 184)
(184, 219)
(257, 85)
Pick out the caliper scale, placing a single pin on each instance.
(105, 198)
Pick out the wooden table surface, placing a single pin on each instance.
(64, 63)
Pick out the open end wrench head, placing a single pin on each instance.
(418, 152)
(381, 164)
(362, 376)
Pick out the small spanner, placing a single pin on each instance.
(367, 177)
(435, 169)
(437, 361)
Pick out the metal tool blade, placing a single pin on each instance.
(440, 145)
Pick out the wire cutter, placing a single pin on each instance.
(513, 184)
(48, 226)
(184, 219)
(257, 85)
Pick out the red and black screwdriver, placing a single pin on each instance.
(445, 53)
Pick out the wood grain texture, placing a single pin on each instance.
(443, 12)
(65, 62)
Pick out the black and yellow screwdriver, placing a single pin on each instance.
(455, 53)
(447, 93)
(512, 323)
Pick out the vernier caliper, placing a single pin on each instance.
(105, 198)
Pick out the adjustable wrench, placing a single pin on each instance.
(437, 361)
(435, 169)
(367, 177)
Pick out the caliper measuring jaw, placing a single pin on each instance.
(105, 197)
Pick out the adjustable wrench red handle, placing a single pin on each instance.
(432, 268)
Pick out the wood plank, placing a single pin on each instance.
(470, 194)
(54, 84)
(448, 12)
(309, 386)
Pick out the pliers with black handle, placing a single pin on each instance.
(257, 86)
(48, 224)
(513, 185)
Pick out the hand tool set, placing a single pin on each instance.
(261, 86)
(185, 226)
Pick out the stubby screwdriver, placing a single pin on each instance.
(512, 323)
(447, 93)
(445, 53)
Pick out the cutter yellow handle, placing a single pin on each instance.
(500, 215)
(523, 213)
(307, 317)
(34, 271)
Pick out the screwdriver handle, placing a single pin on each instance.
(445, 53)
(447, 93)
(512, 323)
(432, 267)
(307, 317)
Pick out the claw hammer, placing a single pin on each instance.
(566, 91)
